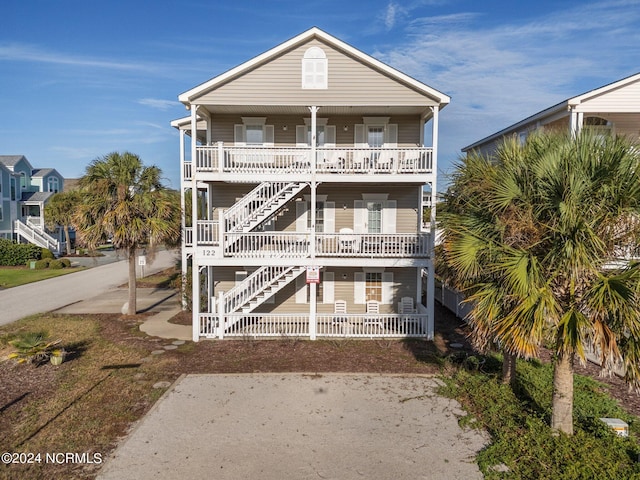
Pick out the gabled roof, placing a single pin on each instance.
(12, 160)
(41, 172)
(188, 96)
(36, 196)
(557, 109)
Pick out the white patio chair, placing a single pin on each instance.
(405, 305)
(347, 240)
(373, 308)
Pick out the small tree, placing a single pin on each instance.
(544, 230)
(125, 201)
(60, 210)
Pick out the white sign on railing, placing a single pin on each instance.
(313, 274)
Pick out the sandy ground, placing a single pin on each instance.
(296, 426)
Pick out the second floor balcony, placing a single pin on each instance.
(298, 244)
(252, 160)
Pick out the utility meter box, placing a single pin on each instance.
(617, 425)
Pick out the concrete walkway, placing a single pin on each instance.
(163, 303)
(281, 426)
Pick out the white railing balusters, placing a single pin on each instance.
(261, 159)
(364, 325)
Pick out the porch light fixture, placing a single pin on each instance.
(345, 128)
(344, 276)
(284, 128)
(344, 206)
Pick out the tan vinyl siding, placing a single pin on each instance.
(408, 128)
(404, 285)
(624, 99)
(279, 82)
(344, 194)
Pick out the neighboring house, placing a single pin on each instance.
(25, 191)
(611, 109)
(305, 169)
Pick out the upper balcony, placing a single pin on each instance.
(219, 162)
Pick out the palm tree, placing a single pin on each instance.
(126, 202)
(59, 210)
(549, 249)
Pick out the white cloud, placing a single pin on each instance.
(158, 103)
(500, 74)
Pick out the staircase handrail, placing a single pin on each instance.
(261, 196)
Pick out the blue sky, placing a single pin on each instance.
(80, 79)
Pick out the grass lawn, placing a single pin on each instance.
(14, 276)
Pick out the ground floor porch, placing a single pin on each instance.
(366, 325)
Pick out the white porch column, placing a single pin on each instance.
(221, 315)
(576, 121)
(183, 265)
(195, 267)
(432, 236)
(312, 208)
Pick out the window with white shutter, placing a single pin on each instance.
(314, 69)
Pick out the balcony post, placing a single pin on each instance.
(221, 315)
(195, 268)
(221, 231)
(220, 157)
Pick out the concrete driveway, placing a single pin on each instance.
(295, 426)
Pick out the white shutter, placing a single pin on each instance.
(358, 216)
(268, 135)
(330, 136)
(239, 134)
(359, 286)
(328, 287)
(301, 289)
(391, 135)
(301, 216)
(329, 217)
(387, 288)
(389, 209)
(359, 138)
(301, 136)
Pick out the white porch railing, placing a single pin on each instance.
(372, 245)
(259, 204)
(37, 237)
(259, 286)
(392, 325)
(208, 233)
(266, 244)
(287, 244)
(260, 159)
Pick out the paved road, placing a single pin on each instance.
(55, 293)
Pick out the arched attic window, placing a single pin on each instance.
(314, 69)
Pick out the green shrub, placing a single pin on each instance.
(12, 253)
(42, 264)
(66, 262)
(56, 264)
(46, 253)
(518, 422)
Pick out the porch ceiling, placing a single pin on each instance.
(324, 110)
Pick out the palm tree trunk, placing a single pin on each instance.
(132, 281)
(508, 368)
(562, 414)
(67, 239)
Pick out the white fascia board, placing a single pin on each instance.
(189, 95)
